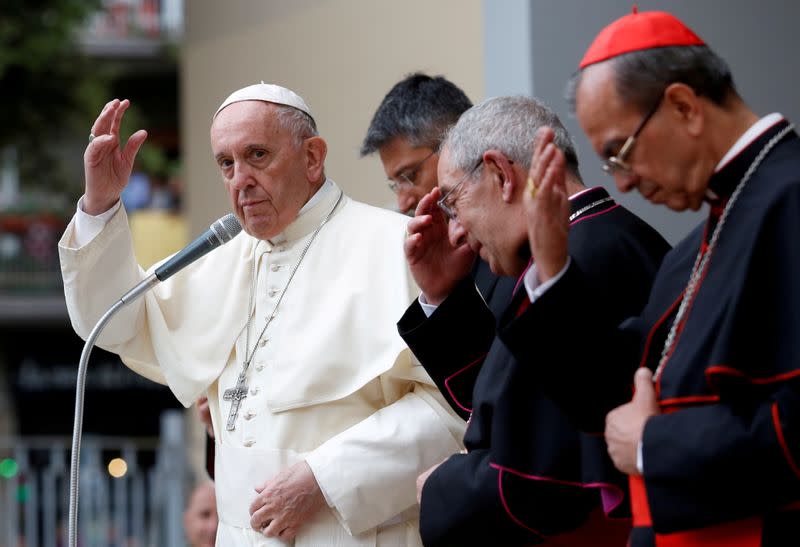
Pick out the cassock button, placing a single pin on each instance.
(259, 367)
(254, 390)
(272, 292)
(275, 268)
(249, 441)
(263, 342)
(250, 414)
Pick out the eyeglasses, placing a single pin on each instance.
(447, 203)
(616, 163)
(408, 177)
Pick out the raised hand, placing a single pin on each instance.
(106, 165)
(547, 206)
(437, 266)
(625, 424)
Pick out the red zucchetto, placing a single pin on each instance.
(639, 31)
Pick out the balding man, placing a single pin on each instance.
(711, 437)
(200, 517)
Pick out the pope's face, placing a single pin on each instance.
(264, 168)
(662, 156)
(411, 168)
(200, 519)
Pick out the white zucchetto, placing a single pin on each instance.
(270, 93)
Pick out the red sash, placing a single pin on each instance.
(597, 531)
(740, 533)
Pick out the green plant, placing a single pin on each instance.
(49, 88)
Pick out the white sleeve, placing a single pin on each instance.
(87, 226)
(368, 472)
(534, 288)
(428, 309)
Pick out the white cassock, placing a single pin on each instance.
(331, 382)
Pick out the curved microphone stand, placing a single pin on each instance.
(221, 231)
(77, 426)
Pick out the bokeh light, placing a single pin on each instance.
(8, 468)
(117, 468)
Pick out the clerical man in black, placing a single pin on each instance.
(711, 439)
(406, 131)
(528, 475)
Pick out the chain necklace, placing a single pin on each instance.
(239, 391)
(703, 258)
(592, 205)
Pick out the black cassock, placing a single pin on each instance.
(495, 290)
(722, 461)
(528, 472)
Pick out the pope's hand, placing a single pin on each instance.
(548, 212)
(108, 167)
(421, 480)
(286, 502)
(204, 413)
(437, 266)
(625, 424)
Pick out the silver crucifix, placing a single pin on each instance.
(235, 395)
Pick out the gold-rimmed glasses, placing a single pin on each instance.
(616, 163)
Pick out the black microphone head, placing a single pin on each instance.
(226, 228)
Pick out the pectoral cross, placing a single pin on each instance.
(235, 395)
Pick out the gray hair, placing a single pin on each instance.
(297, 122)
(507, 124)
(640, 77)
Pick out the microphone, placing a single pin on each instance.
(221, 231)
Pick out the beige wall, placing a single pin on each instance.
(342, 56)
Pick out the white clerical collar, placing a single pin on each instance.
(748, 137)
(310, 214)
(743, 142)
(326, 187)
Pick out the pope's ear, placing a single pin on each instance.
(315, 150)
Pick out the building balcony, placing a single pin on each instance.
(134, 29)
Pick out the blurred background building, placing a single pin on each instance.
(61, 60)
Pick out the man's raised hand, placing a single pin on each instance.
(547, 206)
(107, 166)
(437, 266)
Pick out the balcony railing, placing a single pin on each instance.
(131, 490)
(29, 253)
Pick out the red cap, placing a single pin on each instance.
(639, 31)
